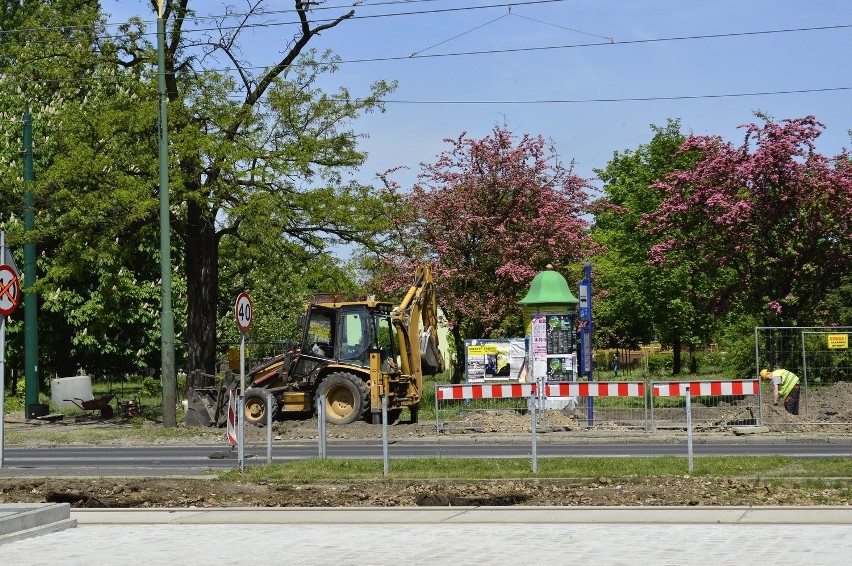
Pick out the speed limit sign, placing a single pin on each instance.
(243, 311)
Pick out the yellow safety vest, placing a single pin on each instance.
(788, 381)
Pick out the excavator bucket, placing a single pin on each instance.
(431, 359)
(198, 411)
(207, 406)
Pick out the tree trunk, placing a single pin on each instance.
(677, 364)
(693, 360)
(458, 370)
(202, 284)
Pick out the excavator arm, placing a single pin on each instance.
(416, 320)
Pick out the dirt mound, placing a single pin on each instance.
(178, 492)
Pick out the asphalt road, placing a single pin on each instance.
(196, 460)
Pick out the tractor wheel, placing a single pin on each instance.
(347, 398)
(255, 406)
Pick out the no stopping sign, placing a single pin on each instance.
(10, 290)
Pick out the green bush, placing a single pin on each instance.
(151, 387)
(661, 363)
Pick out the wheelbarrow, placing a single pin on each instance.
(100, 404)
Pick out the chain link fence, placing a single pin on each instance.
(820, 356)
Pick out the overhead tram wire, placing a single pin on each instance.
(610, 43)
(624, 99)
(150, 23)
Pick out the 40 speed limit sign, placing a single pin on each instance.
(243, 311)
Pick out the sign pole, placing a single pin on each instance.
(10, 296)
(243, 312)
(2, 358)
(240, 404)
(586, 326)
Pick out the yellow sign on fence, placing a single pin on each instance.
(838, 341)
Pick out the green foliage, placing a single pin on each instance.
(151, 387)
(736, 346)
(580, 468)
(662, 363)
(635, 300)
(260, 173)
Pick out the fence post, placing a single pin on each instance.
(269, 398)
(534, 451)
(437, 421)
(385, 434)
(689, 427)
(321, 425)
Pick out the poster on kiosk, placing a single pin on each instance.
(495, 360)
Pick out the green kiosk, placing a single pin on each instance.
(549, 309)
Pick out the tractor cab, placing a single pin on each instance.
(342, 334)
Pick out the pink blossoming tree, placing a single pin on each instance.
(488, 215)
(771, 218)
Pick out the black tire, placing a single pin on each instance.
(347, 398)
(254, 408)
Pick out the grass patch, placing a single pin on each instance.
(553, 468)
(98, 436)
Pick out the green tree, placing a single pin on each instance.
(635, 300)
(97, 300)
(265, 167)
(258, 161)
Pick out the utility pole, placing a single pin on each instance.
(167, 317)
(30, 298)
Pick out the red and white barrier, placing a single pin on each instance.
(595, 389)
(485, 391)
(598, 389)
(232, 417)
(709, 388)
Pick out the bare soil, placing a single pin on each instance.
(828, 409)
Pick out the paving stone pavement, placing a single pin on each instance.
(469, 536)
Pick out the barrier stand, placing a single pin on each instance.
(689, 427)
(532, 402)
(437, 419)
(385, 434)
(268, 428)
(321, 425)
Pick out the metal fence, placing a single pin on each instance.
(599, 404)
(713, 404)
(619, 405)
(483, 408)
(821, 357)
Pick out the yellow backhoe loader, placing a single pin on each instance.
(351, 354)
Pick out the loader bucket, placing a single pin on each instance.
(199, 410)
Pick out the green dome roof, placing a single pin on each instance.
(549, 288)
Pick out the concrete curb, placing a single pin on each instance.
(775, 515)
(24, 520)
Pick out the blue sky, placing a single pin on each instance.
(504, 84)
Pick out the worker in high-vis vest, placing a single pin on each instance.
(785, 385)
